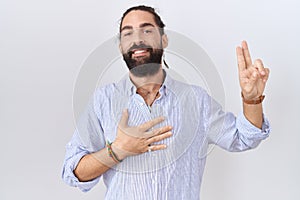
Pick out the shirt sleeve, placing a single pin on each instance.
(88, 138)
(230, 132)
(74, 152)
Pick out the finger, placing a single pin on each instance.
(158, 131)
(259, 65)
(253, 74)
(159, 137)
(240, 59)
(124, 119)
(266, 77)
(151, 123)
(246, 53)
(156, 147)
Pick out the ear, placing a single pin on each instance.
(164, 39)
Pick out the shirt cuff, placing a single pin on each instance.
(251, 131)
(70, 178)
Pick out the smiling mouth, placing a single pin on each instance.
(136, 53)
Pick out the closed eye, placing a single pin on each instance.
(128, 33)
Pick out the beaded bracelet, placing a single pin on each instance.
(111, 153)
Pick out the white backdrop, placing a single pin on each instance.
(44, 43)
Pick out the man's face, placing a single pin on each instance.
(141, 43)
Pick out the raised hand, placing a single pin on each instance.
(132, 140)
(252, 76)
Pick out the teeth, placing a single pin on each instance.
(139, 51)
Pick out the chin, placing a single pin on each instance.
(145, 70)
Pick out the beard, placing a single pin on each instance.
(146, 66)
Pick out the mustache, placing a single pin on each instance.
(141, 46)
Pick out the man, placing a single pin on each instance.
(147, 135)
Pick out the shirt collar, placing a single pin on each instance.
(126, 85)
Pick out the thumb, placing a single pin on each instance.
(124, 119)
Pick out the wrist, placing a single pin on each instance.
(121, 154)
(253, 101)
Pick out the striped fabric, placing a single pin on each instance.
(174, 173)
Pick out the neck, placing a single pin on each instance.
(148, 87)
(148, 83)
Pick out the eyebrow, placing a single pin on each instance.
(141, 26)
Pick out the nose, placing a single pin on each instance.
(138, 37)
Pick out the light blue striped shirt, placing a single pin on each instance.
(174, 173)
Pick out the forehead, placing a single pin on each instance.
(137, 17)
